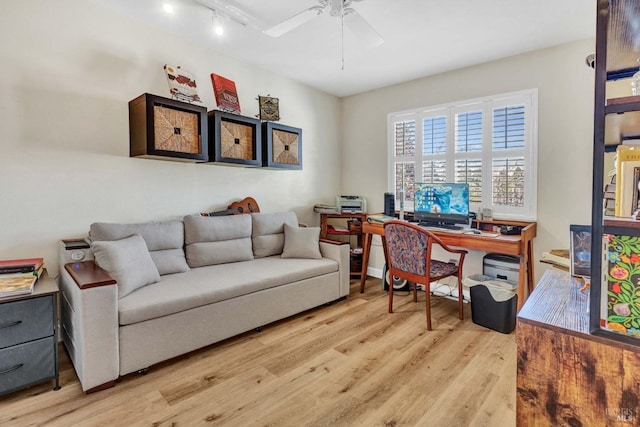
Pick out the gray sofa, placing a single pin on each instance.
(152, 291)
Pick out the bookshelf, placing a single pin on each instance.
(616, 120)
(346, 227)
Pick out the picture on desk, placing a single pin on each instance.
(580, 250)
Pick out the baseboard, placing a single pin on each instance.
(374, 272)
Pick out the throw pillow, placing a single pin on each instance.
(128, 261)
(301, 242)
(164, 239)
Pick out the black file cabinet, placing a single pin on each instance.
(29, 338)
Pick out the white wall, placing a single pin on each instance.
(565, 133)
(69, 68)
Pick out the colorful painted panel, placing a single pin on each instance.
(621, 301)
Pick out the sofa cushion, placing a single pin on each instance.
(207, 285)
(128, 261)
(165, 240)
(217, 239)
(301, 242)
(268, 232)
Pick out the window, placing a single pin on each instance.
(489, 143)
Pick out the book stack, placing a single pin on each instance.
(18, 276)
(379, 218)
(328, 209)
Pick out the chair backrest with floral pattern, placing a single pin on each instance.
(408, 247)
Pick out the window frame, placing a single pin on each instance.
(528, 98)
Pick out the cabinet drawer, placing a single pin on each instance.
(27, 364)
(26, 320)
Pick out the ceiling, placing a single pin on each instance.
(422, 37)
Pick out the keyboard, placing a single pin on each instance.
(460, 231)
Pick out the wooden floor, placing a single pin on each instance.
(348, 364)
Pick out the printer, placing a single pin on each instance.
(351, 204)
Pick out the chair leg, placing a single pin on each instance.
(428, 301)
(390, 297)
(460, 300)
(415, 292)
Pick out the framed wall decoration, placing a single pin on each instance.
(234, 139)
(282, 146)
(580, 250)
(269, 108)
(163, 128)
(182, 85)
(225, 93)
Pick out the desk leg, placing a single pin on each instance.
(530, 274)
(522, 279)
(525, 274)
(366, 249)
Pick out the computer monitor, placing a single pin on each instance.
(441, 205)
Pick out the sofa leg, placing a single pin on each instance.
(144, 371)
(342, 298)
(258, 329)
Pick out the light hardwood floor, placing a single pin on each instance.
(347, 364)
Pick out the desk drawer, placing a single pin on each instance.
(26, 364)
(26, 320)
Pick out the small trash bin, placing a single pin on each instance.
(494, 303)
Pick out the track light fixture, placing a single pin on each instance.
(218, 25)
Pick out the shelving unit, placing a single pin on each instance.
(350, 227)
(29, 337)
(615, 120)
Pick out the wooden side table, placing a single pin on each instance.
(29, 337)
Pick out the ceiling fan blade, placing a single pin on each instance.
(362, 29)
(293, 22)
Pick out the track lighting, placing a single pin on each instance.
(218, 25)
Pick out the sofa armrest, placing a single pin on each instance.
(339, 252)
(89, 275)
(89, 319)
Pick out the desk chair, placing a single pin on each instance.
(408, 253)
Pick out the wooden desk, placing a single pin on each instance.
(520, 246)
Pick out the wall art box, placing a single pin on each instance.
(282, 146)
(234, 139)
(167, 129)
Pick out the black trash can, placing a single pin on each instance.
(494, 303)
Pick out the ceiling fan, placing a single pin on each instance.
(337, 8)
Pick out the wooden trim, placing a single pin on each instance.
(502, 222)
(87, 275)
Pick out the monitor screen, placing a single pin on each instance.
(443, 203)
